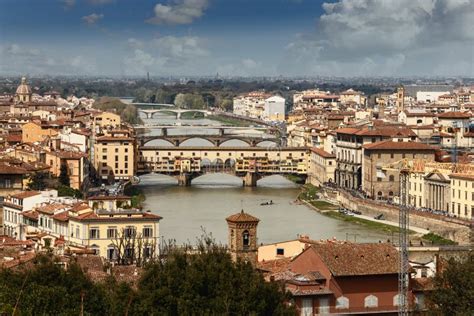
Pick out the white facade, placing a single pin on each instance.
(275, 108)
(429, 96)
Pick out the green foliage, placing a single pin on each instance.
(189, 101)
(128, 112)
(64, 176)
(37, 181)
(137, 196)
(206, 282)
(454, 288)
(68, 191)
(438, 240)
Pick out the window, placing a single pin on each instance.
(116, 150)
(111, 232)
(104, 164)
(371, 301)
(126, 150)
(147, 232)
(246, 238)
(94, 233)
(391, 178)
(397, 300)
(391, 155)
(342, 302)
(104, 150)
(280, 252)
(129, 232)
(104, 157)
(77, 232)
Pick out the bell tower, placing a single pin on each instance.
(243, 237)
(400, 99)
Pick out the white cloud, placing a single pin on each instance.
(167, 54)
(16, 59)
(179, 12)
(92, 19)
(68, 3)
(372, 37)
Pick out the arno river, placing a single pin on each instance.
(187, 211)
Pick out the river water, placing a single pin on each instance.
(188, 211)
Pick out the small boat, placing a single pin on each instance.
(267, 203)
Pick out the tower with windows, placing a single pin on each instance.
(243, 237)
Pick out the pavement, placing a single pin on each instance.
(412, 228)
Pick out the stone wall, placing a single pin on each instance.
(453, 229)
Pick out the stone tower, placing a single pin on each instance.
(400, 99)
(243, 237)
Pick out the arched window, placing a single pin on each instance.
(397, 300)
(391, 178)
(371, 301)
(390, 193)
(246, 238)
(342, 302)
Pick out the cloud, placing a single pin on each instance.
(179, 12)
(391, 37)
(167, 54)
(16, 59)
(68, 4)
(92, 19)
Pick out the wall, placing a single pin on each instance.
(454, 229)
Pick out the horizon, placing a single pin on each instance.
(239, 39)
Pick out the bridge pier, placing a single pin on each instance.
(164, 131)
(184, 180)
(250, 179)
(178, 115)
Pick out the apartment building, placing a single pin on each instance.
(322, 167)
(114, 156)
(462, 195)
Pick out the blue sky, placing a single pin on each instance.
(237, 37)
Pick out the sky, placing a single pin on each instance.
(346, 38)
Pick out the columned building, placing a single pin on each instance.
(437, 195)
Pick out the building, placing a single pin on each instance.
(33, 132)
(243, 237)
(23, 92)
(75, 164)
(274, 109)
(105, 119)
(385, 184)
(462, 195)
(114, 156)
(340, 278)
(416, 117)
(322, 167)
(349, 149)
(251, 104)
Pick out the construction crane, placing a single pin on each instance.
(403, 167)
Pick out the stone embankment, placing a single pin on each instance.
(455, 229)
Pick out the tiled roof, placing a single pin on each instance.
(463, 176)
(322, 153)
(455, 115)
(62, 217)
(358, 259)
(116, 138)
(391, 145)
(6, 168)
(242, 217)
(26, 194)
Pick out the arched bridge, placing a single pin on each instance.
(216, 140)
(248, 163)
(177, 112)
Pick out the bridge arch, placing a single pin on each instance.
(167, 142)
(186, 139)
(229, 163)
(223, 144)
(267, 143)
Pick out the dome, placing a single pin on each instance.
(23, 88)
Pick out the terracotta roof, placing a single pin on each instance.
(242, 217)
(347, 130)
(455, 115)
(116, 138)
(391, 145)
(30, 214)
(62, 217)
(26, 194)
(322, 153)
(358, 259)
(68, 154)
(463, 176)
(14, 138)
(7, 168)
(50, 208)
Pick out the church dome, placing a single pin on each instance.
(23, 88)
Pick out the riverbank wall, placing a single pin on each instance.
(449, 228)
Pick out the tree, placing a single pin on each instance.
(37, 181)
(64, 175)
(180, 101)
(454, 288)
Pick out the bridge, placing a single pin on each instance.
(177, 112)
(248, 163)
(216, 140)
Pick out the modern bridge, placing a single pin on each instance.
(248, 163)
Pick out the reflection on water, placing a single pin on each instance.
(212, 198)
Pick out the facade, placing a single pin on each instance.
(462, 195)
(106, 119)
(274, 108)
(341, 278)
(75, 162)
(385, 184)
(349, 150)
(33, 132)
(250, 104)
(114, 156)
(322, 167)
(243, 237)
